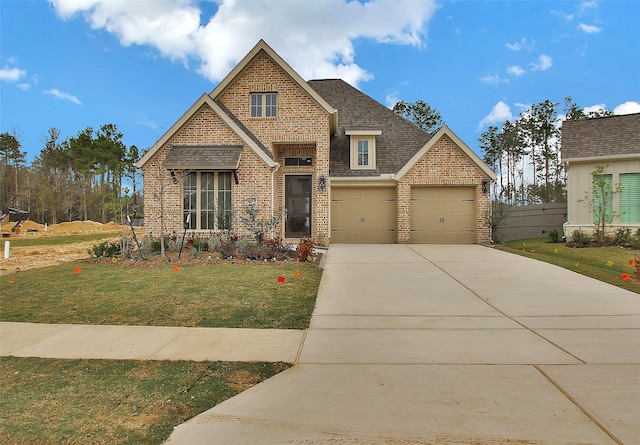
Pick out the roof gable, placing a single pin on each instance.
(240, 130)
(446, 131)
(262, 46)
(603, 137)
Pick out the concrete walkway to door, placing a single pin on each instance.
(441, 344)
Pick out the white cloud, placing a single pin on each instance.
(11, 74)
(62, 95)
(522, 44)
(499, 113)
(594, 108)
(544, 63)
(315, 37)
(24, 86)
(143, 120)
(589, 29)
(516, 70)
(391, 99)
(494, 79)
(629, 107)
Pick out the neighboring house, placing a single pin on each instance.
(323, 159)
(614, 143)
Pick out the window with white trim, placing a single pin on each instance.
(264, 104)
(362, 148)
(363, 154)
(207, 200)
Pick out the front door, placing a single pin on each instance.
(297, 202)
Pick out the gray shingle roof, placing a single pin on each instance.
(601, 137)
(203, 158)
(399, 141)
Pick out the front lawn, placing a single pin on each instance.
(58, 240)
(208, 295)
(606, 264)
(47, 401)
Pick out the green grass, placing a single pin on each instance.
(47, 401)
(60, 239)
(602, 263)
(210, 295)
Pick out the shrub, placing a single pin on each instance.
(214, 242)
(305, 249)
(243, 244)
(622, 236)
(105, 249)
(602, 237)
(554, 235)
(228, 246)
(269, 249)
(199, 244)
(172, 245)
(635, 239)
(580, 238)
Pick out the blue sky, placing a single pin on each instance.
(141, 64)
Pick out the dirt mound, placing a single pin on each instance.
(32, 225)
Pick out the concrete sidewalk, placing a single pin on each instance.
(429, 344)
(148, 342)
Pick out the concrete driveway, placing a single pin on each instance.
(442, 344)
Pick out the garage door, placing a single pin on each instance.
(443, 215)
(363, 215)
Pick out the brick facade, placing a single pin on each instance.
(443, 164)
(301, 126)
(204, 128)
(300, 122)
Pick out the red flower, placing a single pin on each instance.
(281, 279)
(176, 268)
(77, 269)
(625, 276)
(632, 263)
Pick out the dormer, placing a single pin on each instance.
(362, 148)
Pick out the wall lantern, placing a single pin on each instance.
(485, 186)
(322, 183)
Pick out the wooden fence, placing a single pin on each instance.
(533, 221)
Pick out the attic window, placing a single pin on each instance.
(263, 104)
(363, 148)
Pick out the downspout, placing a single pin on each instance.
(275, 168)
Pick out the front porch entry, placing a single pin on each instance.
(297, 206)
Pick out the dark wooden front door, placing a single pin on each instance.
(297, 198)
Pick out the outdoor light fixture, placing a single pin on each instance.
(485, 186)
(322, 183)
(173, 177)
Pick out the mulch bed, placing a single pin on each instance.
(206, 258)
